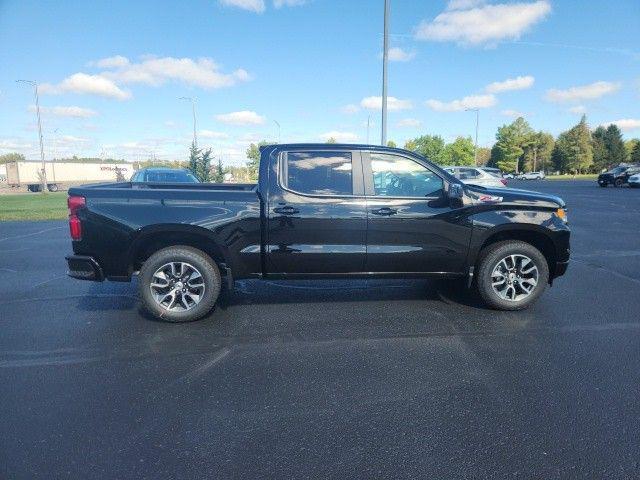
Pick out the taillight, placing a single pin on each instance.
(75, 226)
(504, 181)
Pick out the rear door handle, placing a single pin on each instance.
(288, 210)
(385, 211)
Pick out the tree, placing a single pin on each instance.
(484, 155)
(574, 149)
(614, 145)
(11, 157)
(204, 166)
(459, 152)
(600, 153)
(253, 154)
(218, 172)
(629, 145)
(635, 154)
(410, 145)
(194, 157)
(537, 155)
(512, 141)
(430, 146)
(392, 144)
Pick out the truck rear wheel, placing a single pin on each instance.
(179, 284)
(511, 275)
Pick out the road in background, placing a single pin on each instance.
(327, 379)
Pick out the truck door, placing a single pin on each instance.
(411, 225)
(317, 219)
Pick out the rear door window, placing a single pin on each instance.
(319, 172)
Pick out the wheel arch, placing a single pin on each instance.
(531, 234)
(156, 237)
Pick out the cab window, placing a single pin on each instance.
(319, 173)
(396, 176)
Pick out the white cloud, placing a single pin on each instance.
(83, 83)
(584, 92)
(256, 6)
(471, 23)
(463, 4)
(288, 3)
(116, 61)
(518, 83)
(625, 124)
(472, 101)
(244, 117)
(512, 113)
(409, 122)
(397, 54)
(341, 137)
(393, 103)
(212, 134)
(155, 71)
(578, 109)
(350, 109)
(70, 111)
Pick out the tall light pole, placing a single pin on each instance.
(385, 60)
(44, 171)
(278, 124)
(475, 146)
(368, 125)
(193, 109)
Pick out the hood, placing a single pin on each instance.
(516, 197)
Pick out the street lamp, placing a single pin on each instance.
(278, 124)
(35, 89)
(475, 146)
(193, 108)
(385, 60)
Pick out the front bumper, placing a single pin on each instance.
(561, 268)
(84, 268)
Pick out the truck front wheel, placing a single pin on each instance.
(179, 284)
(511, 275)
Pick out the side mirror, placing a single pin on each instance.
(455, 191)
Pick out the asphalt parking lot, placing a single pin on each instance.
(332, 379)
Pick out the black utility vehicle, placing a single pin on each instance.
(618, 176)
(318, 211)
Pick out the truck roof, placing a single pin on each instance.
(329, 146)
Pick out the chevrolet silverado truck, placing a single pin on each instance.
(317, 211)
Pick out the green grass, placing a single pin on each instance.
(584, 176)
(34, 206)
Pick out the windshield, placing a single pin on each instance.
(171, 176)
(618, 170)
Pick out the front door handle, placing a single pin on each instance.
(288, 210)
(385, 211)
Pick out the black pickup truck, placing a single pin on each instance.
(318, 211)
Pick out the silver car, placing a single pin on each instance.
(477, 176)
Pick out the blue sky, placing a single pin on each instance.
(111, 73)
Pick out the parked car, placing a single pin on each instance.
(476, 176)
(494, 171)
(162, 174)
(509, 175)
(532, 176)
(634, 180)
(618, 176)
(317, 211)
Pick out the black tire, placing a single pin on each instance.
(201, 261)
(491, 256)
(618, 182)
(53, 187)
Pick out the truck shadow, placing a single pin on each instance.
(124, 298)
(317, 291)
